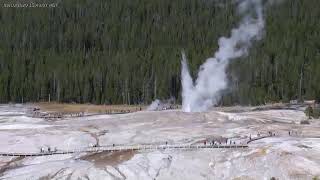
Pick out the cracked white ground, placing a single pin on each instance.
(282, 156)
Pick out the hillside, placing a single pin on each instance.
(129, 52)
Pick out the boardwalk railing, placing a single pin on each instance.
(124, 148)
(258, 138)
(112, 148)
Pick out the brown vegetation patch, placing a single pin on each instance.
(103, 159)
(260, 152)
(243, 178)
(89, 108)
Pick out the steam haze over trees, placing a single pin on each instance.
(128, 52)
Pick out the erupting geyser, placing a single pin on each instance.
(212, 79)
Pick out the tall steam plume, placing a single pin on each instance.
(212, 79)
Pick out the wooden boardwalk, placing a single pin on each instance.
(258, 138)
(124, 148)
(133, 148)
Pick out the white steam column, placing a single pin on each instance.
(212, 79)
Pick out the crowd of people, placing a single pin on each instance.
(223, 141)
(48, 149)
(227, 141)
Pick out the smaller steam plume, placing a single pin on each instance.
(154, 105)
(158, 105)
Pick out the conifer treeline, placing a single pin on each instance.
(114, 52)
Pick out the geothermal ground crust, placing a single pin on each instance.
(283, 156)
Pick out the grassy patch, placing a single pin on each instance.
(89, 108)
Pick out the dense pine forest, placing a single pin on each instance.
(129, 52)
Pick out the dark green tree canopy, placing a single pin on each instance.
(114, 52)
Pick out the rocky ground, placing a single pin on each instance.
(282, 156)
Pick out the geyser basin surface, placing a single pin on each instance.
(283, 156)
